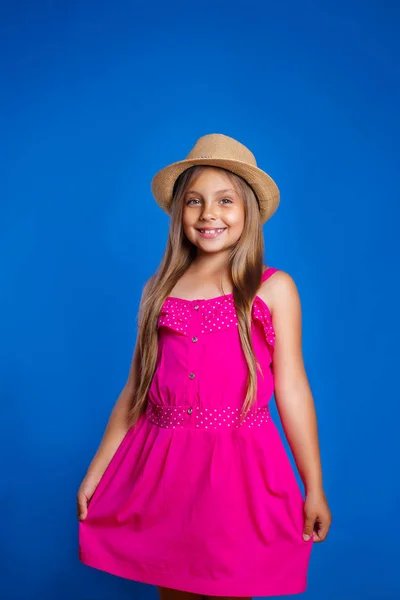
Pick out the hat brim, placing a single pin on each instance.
(263, 185)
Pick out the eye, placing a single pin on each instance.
(229, 201)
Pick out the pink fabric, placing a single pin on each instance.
(193, 498)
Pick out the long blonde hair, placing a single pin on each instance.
(246, 267)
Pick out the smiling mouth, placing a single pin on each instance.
(211, 233)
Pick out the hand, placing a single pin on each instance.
(85, 492)
(317, 516)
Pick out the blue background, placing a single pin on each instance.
(96, 97)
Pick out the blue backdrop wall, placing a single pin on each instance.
(95, 98)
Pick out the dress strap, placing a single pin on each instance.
(268, 272)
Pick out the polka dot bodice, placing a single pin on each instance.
(218, 314)
(201, 367)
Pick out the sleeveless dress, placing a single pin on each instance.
(195, 498)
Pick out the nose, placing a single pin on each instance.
(209, 212)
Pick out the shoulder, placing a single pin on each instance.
(280, 292)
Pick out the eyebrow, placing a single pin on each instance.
(217, 192)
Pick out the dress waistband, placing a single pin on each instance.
(198, 417)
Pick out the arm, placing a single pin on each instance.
(114, 433)
(117, 427)
(294, 398)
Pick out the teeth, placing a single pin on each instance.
(211, 230)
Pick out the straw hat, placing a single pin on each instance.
(219, 150)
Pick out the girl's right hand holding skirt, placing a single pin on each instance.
(85, 492)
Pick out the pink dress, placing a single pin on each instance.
(193, 499)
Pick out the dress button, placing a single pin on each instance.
(196, 307)
(191, 375)
(194, 339)
(189, 411)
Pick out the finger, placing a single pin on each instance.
(81, 506)
(321, 532)
(308, 527)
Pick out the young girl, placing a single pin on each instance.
(191, 489)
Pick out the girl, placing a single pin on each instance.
(191, 489)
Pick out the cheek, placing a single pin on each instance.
(188, 219)
(185, 223)
(235, 220)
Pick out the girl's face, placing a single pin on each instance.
(213, 212)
